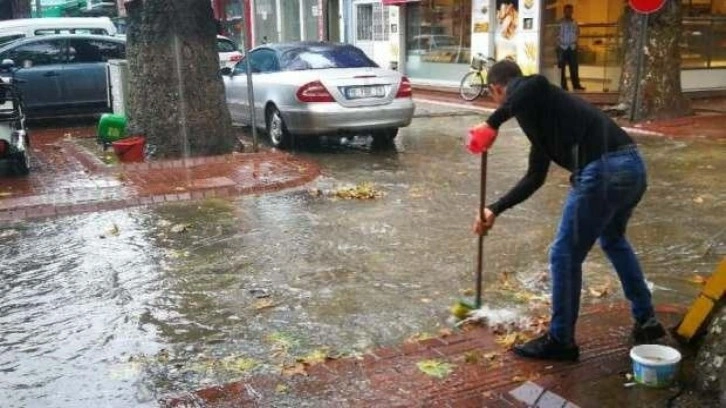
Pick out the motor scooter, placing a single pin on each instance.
(14, 141)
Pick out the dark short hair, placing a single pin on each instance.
(569, 6)
(502, 72)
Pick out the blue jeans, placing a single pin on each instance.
(599, 205)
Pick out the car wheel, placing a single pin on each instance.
(276, 129)
(384, 137)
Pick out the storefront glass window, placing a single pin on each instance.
(704, 34)
(265, 21)
(311, 14)
(599, 44)
(438, 39)
(290, 20)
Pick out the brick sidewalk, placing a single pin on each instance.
(709, 125)
(67, 179)
(483, 373)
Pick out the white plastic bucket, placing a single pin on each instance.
(655, 365)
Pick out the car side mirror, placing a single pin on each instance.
(227, 71)
(7, 64)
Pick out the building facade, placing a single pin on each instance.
(433, 41)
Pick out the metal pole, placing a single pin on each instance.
(250, 90)
(480, 253)
(642, 40)
(38, 8)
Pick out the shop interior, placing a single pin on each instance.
(703, 45)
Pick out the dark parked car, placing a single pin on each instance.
(63, 74)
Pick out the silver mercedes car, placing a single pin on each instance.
(319, 89)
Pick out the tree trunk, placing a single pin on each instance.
(176, 95)
(21, 8)
(711, 358)
(658, 90)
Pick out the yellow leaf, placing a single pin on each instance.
(362, 191)
(698, 200)
(425, 300)
(600, 291)
(486, 394)
(281, 388)
(435, 368)
(297, 369)
(416, 337)
(698, 279)
(467, 292)
(314, 357)
(490, 356)
(5, 194)
(519, 378)
(265, 303)
(507, 340)
(472, 357)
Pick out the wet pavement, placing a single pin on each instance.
(126, 307)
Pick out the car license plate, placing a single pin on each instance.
(359, 92)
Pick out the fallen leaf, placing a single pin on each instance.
(698, 200)
(264, 304)
(315, 357)
(113, 231)
(628, 376)
(490, 356)
(467, 292)
(419, 337)
(281, 388)
(362, 191)
(519, 378)
(698, 279)
(179, 228)
(9, 233)
(472, 357)
(315, 192)
(297, 369)
(425, 300)
(445, 332)
(486, 394)
(163, 223)
(435, 368)
(238, 364)
(180, 189)
(600, 291)
(5, 194)
(507, 340)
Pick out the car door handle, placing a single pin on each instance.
(51, 74)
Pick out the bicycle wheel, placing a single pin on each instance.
(472, 85)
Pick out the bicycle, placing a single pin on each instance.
(473, 84)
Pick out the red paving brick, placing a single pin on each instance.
(390, 377)
(67, 179)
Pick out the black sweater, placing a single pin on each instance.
(562, 128)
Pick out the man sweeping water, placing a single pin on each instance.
(608, 180)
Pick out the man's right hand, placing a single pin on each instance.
(482, 226)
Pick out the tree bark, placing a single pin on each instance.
(659, 86)
(176, 95)
(711, 358)
(21, 8)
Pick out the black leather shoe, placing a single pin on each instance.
(579, 88)
(548, 348)
(648, 332)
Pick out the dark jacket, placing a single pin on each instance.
(562, 128)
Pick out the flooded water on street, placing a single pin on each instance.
(119, 309)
